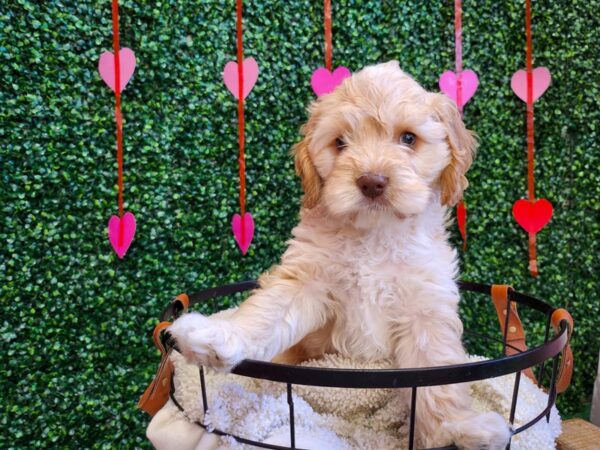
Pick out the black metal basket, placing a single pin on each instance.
(396, 378)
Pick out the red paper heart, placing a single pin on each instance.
(532, 216)
(461, 218)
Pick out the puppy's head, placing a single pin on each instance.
(379, 143)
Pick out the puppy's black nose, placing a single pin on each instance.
(372, 185)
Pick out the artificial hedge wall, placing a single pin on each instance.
(75, 326)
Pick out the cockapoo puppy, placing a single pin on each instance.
(369, 272)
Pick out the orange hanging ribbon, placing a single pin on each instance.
(530, 133)
(458, 52)
(241, 137)
(118, 115)
(461, 208)
(328, 34)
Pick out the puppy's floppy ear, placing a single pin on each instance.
(306, 170)
(462, 144)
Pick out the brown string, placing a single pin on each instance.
(328, 37)
(530, 134)
(458, 52)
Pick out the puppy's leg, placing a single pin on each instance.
(429, 338)
(275, 317)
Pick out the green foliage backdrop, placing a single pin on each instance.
(76, 321)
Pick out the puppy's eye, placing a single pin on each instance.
(340, 144)
(408, 138)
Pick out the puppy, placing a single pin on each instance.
(369, 272)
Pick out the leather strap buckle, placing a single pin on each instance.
(565, 372)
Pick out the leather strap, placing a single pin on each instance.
(181, 303)
(157, 393)
(156, 335)
(515, 336)
(565, 372)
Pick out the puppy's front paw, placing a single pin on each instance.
(486, 431)
(207, 341)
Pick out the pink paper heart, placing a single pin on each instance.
(323, 81)
(541, 81)
(230, 76)
(106, 67)
(243, 239)
(469, 84)
(532, 216)
(121, 232)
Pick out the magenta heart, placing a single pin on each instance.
(106, 67)
(541, 81)
(532, 216)
(121, 232)
(230, 76)
(469, 83)
(323, 81)
(243, 231)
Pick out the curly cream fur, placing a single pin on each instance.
(367, 278)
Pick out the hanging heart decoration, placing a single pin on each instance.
(240, 77)
(243, 230)
(323, 81)
(116, 69)
(449, 85)
(540, 79)
(231, 78)
(121, 232)
(106, 67)
(460, 85)
(532, 216)
(529, 85)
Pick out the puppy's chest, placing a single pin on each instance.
(369, 273)
(366, 284)
(366, 305)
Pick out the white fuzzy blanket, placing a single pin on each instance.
(325, 418)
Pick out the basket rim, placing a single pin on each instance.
(389, 378)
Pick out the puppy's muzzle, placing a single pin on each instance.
(372, 185)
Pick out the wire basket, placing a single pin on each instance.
(521, 359)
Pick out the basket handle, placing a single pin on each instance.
(565, 372)
(157, 393)
(515, 335)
